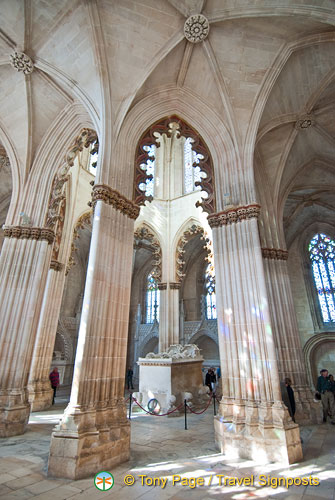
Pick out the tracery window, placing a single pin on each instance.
(210, 292)
(322, 254)
(152, 300)
(191, 174)
(149, 166)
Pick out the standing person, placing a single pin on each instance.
(130, 378)
(332, 383)
(324, 387)
(290, 394)
(218, 372)
(54, 380)
(213, 380)
(208, 380)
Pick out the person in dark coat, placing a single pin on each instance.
(54, 381)
(291, 399)
(130, 378)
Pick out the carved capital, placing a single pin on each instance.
(175, 286)
(116, 199)
(29, 233)
(162, 286)
(274, 253)
(233, 215)
(56, 265)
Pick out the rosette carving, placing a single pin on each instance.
(196, 28)
(22, 63)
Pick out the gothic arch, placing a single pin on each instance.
(144, 231)
(310, 349)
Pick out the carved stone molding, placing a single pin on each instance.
(22, 62)
(56, 265)
(175, 286)
(116, 199)
(29, 233)
(83, 140)
(233, 215)
(187, 235)
(84, 219)
(169, 126)
(304, 122)
(274, 253)
(196, 28)
(162, 286)
(144, 233)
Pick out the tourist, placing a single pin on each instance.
(324, 387)
(54, 380)
(130, 378)
(290, 394)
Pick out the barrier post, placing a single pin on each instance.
(130, 402)
(185, 407)
(214, 398)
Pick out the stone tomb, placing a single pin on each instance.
(171, 376)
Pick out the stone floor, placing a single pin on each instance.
(161, 448)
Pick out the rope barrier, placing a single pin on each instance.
(158, 414)
(202, 411)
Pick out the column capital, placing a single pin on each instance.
(274, 253)
(233, 215)
(56, 265)
(162, 286)
(175, 286)
(29, 233)
(117, 200)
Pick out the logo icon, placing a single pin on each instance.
(104, 481)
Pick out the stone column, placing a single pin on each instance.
(169, 315)
(286, 334)
(252, 422)
(40, 391)
(94, 433)
(24, 264)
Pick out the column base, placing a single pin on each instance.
(268, 438)
(308, 411)
(40, 396)
(14, 413)
(87, 442)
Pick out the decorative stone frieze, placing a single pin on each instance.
(56, 265)
(304, 122)
(116, 199)
(233, 215)
(274, 253)
(175, 286)
(143, 233)
(196, 28)
(21, 62)
(30, 233)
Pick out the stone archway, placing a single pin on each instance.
(319, 352)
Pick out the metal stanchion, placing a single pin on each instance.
(185, 407)
(130, 402)
(214, 397)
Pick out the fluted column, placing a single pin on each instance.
(24, 263)
(253, 422)
(40, 391)
(94, 433)
(286, 334)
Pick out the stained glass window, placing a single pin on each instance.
(210, 292)
(152, 300)
(149, 167)
(191, 174)
(322, 254)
